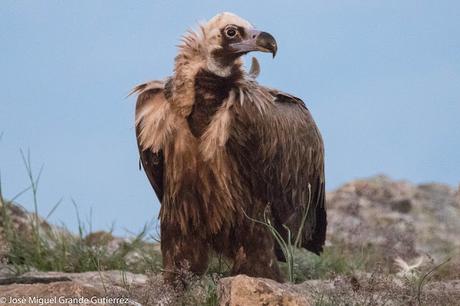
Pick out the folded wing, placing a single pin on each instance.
(285, 157)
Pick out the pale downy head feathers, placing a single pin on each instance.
(212, 28)
(218, 44)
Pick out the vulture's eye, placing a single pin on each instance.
(230, 32)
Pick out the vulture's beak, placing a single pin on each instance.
(256, 41)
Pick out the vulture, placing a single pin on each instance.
(232, 162)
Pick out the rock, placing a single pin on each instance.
(243, 290)
(95, 279)
(402, 205)
(99, 288)
(52, 294)
(5, 270)
(21, 220)
(396, 218)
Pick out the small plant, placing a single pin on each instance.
(288, 246)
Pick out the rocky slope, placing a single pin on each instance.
(397, 217)
(382, 218)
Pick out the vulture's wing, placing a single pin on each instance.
(288, 163)
(151, 96)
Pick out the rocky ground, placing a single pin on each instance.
(389, 243)
(397, 217)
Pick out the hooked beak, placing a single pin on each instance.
(257, 41)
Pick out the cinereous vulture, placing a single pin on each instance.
(225, 155)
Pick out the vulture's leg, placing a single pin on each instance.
(255, 255)
(182, 253)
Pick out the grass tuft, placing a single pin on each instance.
(38, 246)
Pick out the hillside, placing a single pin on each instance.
(377, 229)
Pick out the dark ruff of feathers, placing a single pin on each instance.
(210, 92)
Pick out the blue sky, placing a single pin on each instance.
(382, 79)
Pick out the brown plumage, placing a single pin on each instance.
(220, 150)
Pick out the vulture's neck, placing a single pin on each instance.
(211, 90)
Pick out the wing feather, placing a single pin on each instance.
(150, 100)
(287, 163)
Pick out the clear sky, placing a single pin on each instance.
(382, 79)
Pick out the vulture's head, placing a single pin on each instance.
(225, 38)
